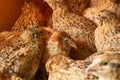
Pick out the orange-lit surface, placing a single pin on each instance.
(9, 11)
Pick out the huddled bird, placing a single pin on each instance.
(31, 15)
(107, 34)
(78, 27)
(20, 53)
(106, 67)
(58, 42)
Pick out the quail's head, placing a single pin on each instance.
(106, 66)
(104, 16)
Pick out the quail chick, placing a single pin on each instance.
(20, 53)
(106, 67)
(107, 34)
(58, 42)
(30, 16)
(79, 28)
(61, 67)
(77, 6)
(112, 5)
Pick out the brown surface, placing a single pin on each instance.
(9, 11)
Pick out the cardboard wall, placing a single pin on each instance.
(9, 11)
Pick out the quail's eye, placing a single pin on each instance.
(99, 15)
(105, 63)
(49, 32)
(66, 39)
(40, 32)
(93, 18)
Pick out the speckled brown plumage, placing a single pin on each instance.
(77, 6)
(30, 16)
(107, 34)
(78, 27)
(20, 53)
(61, 67)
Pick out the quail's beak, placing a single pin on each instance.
(45, 34)
(49, 29)
(74, 46)
(93, 18)
(92, 68)
(45, 37)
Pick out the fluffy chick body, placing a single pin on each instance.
(58, 42)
